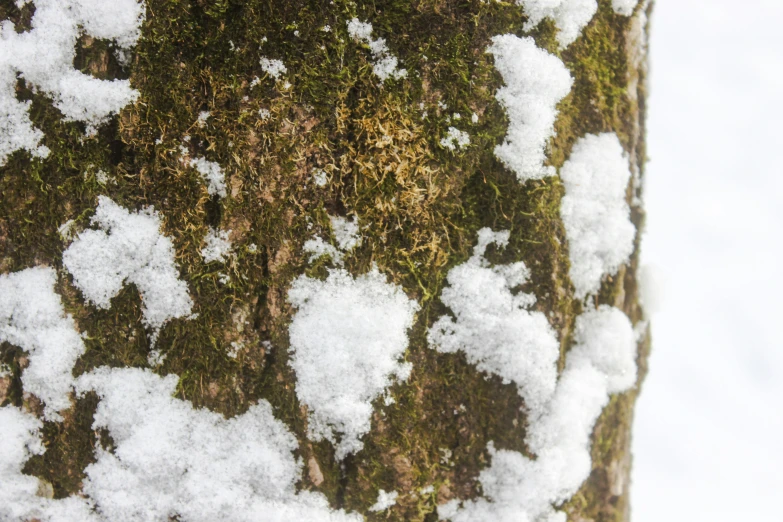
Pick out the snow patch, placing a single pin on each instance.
(518, 488)
(212, 175)
(346, 232)
(128, 247)
(594, 210)
(170, 461)
(32, 317)
(535, 82)
(347, 337)
(570, 16)
(624, 7)
(385, 65)
(385, 501)
(44, 55)
(495, 328)
(218, 246)
(274, 68)
(455, 138)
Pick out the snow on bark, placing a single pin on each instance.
(517, 488)
(347, 338)
(594, 211)
(535, 82)
(129, 247)
(495, 328)
(43, 57)
(32, 318)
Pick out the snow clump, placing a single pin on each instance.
(170, 461)
(32, 318)
(274, 68)
(128, 247)
(212, 175)
(347, 338)
(535, 82)
(570, 16)
(495, 328)
(218, 246)
(594, 210)
(515, 487)
(385, 65)
(43, 57)
(385, 501)
(346, 233)
(455, 138)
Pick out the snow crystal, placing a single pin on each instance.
(385, 65)
(455, 138)
(274, 68)
(494, 327)
(347, 337)
(346, 232)
(32, 318)
(535, 82)
(128, 247)
(385, 501)
(218, 246)
(624, 7)
(594, 210)
(44, 55)
(212, 174)
(518, 488)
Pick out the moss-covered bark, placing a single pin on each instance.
(419, 204)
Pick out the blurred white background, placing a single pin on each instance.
(708, 439)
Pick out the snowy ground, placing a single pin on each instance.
(709, 422)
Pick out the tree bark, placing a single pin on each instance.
(420, 206)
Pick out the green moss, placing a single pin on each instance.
(421, 206)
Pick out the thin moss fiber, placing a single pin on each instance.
(419, 206)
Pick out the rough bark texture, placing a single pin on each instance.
(421, 205)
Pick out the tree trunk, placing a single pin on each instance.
(330, 136)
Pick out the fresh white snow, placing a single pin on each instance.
(44, 55)
(128, 247)
(217, 246)
(570, 16)
(347, 338)
(535, 82)
(32, 318)
(346, 232)
(495, 328)
(274, 68)
(212, 175)
(455, 138)
(515, 487)
(624, 7)
(386, 499)
(386, 64)
(170, 461)
(594, 210)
